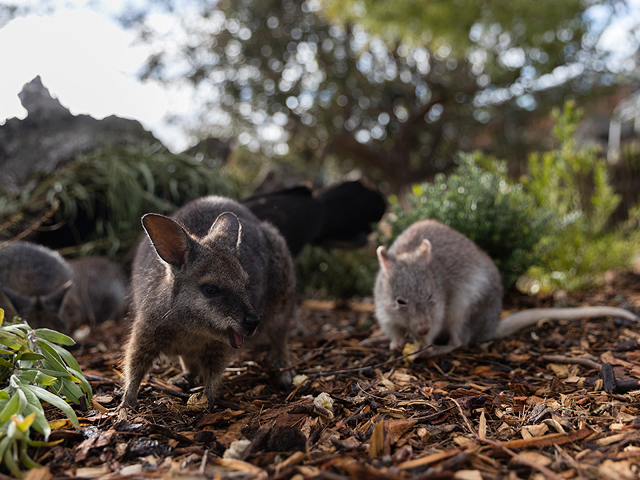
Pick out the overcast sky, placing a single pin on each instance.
(61, 48)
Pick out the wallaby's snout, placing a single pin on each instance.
(251, 323)
(248, 326)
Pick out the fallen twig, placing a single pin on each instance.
(361, 369)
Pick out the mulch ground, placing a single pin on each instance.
(559, 400)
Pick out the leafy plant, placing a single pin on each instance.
(483, 205)
(572, 183)
(109, 189)
(37, 369)
(336, 273)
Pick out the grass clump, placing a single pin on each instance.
(101, 195)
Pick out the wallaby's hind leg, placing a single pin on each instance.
(141, 352)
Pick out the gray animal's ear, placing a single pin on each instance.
(425, 249)
(53, 301)
(226, 232)
(169, 239)
(385, 258)
(21, 303)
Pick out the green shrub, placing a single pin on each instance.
(114, 187)
(482, 204)
(336, 273)
(572, 183)
(34, 368)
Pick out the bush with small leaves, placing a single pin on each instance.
(572, 184)
(336, 273)
(485, 206)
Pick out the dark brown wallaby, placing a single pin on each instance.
(440, 288)
(37, 285)
(202, 280)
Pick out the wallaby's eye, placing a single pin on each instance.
(401, 302)
(209, 290)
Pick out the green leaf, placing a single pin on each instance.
(4, 363)
(10, 460)
(51, 356)
(31, 356)
(66, 356)
(10, 340)
(53, 336)
(84, 384)
(54, 400)
(25, 459)
(15, 406)
(34, 406)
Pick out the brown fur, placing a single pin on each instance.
(201, 280)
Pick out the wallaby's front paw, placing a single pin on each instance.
(281, 375)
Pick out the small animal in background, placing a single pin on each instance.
(202, 280)
(37, 285)
(339, 216)
(439, 287)
(101, 286)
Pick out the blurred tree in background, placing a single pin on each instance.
(394, 87)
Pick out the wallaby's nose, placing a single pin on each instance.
(251, 322)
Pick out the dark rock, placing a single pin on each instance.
(50, 136)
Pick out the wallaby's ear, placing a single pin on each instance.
(168, 237)
(226, 232)
(53, 301)
(425, 249)
(385, 258)
(21, 303)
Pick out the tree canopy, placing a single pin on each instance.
(394, 87)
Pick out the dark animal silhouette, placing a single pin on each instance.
(340, 216)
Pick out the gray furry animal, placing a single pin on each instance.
(37, 285)
(101, 286)
(202, 281)
(439, 287)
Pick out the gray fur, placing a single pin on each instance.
(440, 288)
(211, 241)
(37, 284)
(101, 286)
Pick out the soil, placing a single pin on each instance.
(558, 400)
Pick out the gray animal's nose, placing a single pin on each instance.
(251, 322)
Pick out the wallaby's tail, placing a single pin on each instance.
(514, 322)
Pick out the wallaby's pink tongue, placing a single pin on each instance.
(236, 338)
